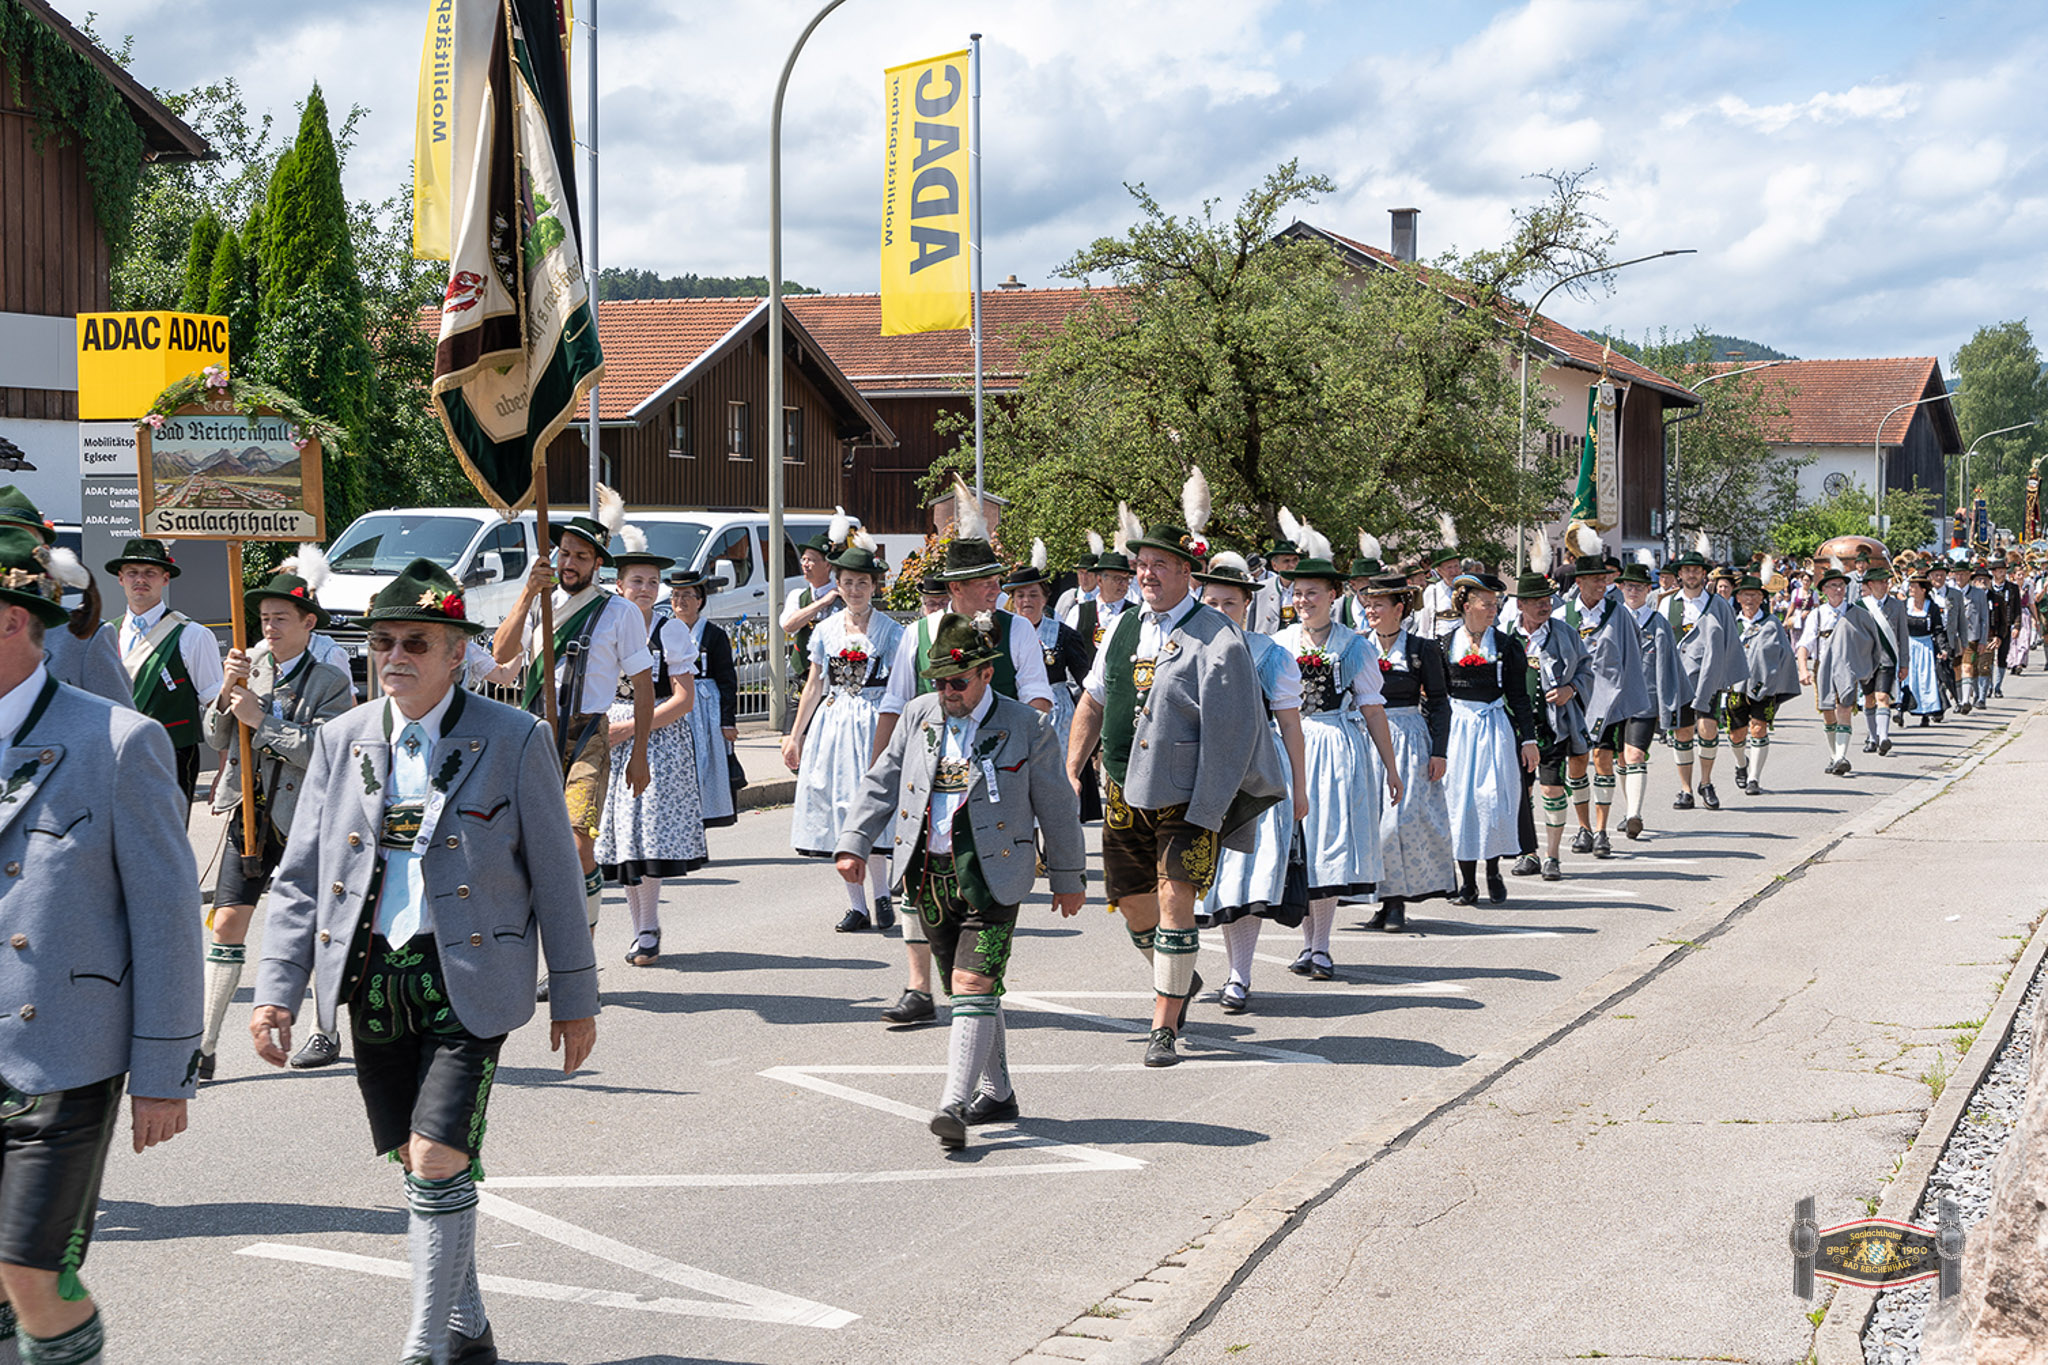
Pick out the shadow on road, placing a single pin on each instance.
(125, 1220)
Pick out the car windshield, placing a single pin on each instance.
(385, 542)
(679, 540)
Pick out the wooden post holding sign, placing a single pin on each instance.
(215, 471)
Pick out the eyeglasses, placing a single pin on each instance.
(411, 644)
(958, 684)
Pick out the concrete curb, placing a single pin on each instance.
(758, 795)
(1840, 1339)
(1152, 1316)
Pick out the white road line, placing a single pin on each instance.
(1207, 1040)
(1489, 929)
(538, 1289)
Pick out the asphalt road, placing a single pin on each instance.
(743, 1173)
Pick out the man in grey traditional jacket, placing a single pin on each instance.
(1620, 716)
(1560, 676)
(1837, 654)
(1888, 615)
(1175, 702)
(1710, 651)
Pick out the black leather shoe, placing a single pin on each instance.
(321, 1049)
(1528, 865)
(1497, 889)
(1582, 842)
(1466, 895)
(1551, 871)
(1602, 846)
(1709, 798)
(1392, 917)
(1235, 998)
(1633, 827)
(852, 922)
(206, 1060)
(1300, 964)
(476, 1350)
(1160, 1051)
(1682, 801)
(885, 914)
(1754, 788)
(988, 1109)
(1180, 1021)
(912, 1007)
(1884, 746)
(950, 1124)
(1741, 776)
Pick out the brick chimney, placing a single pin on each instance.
(1404, 233)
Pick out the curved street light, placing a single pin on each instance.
(778, 703)
(1522, 424)
(1877, 459)
(1965, 466)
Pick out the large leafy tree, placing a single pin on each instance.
(1376, 400)
(1998, 371)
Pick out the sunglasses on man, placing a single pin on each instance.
(411, 644)
(958, 684)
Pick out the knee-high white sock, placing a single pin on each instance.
(441, 1231)
(1173, 961)
(878, 877)
(1635, 782)
(1322, 913)
(970, 1042)
(1884, 723)
(1240, 942)
(1759, 750)
(995, 1077)
(643, 902)
(857, 896)
(223, 977)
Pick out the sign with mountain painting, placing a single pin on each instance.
(212, 472)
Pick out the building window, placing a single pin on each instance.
(793, 435)
(682, 439)
(736, 432)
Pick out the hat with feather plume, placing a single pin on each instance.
(1034, 572)
(1186, 541)
(597, 530)
(971, 553)
(296, 581)
(633, 550)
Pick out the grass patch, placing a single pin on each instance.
(1935, 1077)
(1103, 1310)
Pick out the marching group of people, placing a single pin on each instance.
(1262, 737)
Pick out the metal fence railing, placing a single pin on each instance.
(750, 660)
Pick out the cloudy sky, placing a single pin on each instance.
(1861, 177)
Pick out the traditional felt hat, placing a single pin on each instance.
(1480, 579)
(423, 591)
(1279, 547)
(1591, 554)
(932, 585)
(289, 587)
(598, 530)
(1368, 564)
(1635, 573)
(26, 577)
(1831, 575)
(16, 509)
(1085, 564)
(1447, 534)
(1751, 583)
(960, 643)
(820, 542)
(1391, 585)
(1316, 558)
(970, 554)
(1228, 569)
(861, 555)
(1025, 575)
(1978, 571)
(1877, 573)
(1534, 585)
(1671, 566)
(1113, 561)
(144, 550)
(633, 550)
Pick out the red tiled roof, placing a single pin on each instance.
(849, 327)
(1574, 349)
(1840, 402)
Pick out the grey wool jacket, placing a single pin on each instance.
(281, 745)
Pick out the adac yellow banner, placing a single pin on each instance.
(433, 135)
(926, 280)
(126, 359)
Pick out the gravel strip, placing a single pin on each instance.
(1963, 1173)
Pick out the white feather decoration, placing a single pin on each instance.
(1313, 543)
(1591, 546)
(1836, 560)
(1766, 569)
(968, 522)
(1128, 528)
(611, 510)
(313, 567)
(1290, 529)
(1230, 561)
(66, 569)
(861, 540)
(1539, 552)
(841, 527)
(1038, 557)
(1194, 501)
(1095, 542)
(1447, 530)
(634, 539)
(1646, 558)
(1368, 546)
(1703, 545)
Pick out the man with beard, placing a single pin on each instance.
(600, 640)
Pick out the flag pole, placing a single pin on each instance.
(252, 852)
(589, 204)
(547, 599)
(974, 225)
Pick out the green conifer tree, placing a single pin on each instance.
(206, 235)
(229, 294)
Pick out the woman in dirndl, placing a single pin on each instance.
(660, 832)
(714, 718)
(1253, 887)
(1067, 655)
(1415, 832)
(1340, 706)
(829, 745)
(1492, 739)
(1926, 646)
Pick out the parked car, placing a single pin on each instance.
(731, 546)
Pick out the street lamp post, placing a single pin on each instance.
(1522, 422)
(2017, 426)
(778, 703)
(1877, 460)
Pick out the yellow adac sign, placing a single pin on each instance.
(126, 359)
(926, 279)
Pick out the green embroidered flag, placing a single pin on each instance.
(1586, 500)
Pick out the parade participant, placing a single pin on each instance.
(1172, 699)
(82, 652)
(1888, 616)
(1773, 680)
(1493, 737)
(980, 770)
(972, 578)
(1711, 655)
(1084, 580)
(1341, 705)
(1092, 617)
(283, 694)
(1974, 630)
(2025, 628)
(817, 598)
(1663, 674)
(600, 643)
(173, 664)
(103, 906)
(1415, 832)
(1558, 678)
(1723, 583)
(1950, 600)
(1438, 616)
(1837, 653)
(1620, 714)
(658, 833)
(1667, 582)
(1358, 581)
(1927, 642)
(714, 715)
(832, 741)
(1255, 885)
(429, 820)
(1273, 606)
(1067, 655)
(2005, 617)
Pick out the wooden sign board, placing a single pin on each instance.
(214, 472)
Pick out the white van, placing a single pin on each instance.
(730, 545)
(488, 555)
